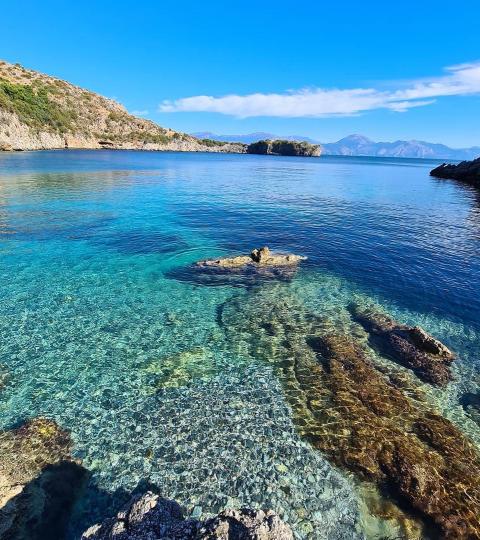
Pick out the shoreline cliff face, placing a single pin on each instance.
(39, 112)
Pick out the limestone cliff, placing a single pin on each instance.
(42, 112)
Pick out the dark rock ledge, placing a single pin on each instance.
(466, 171)
(152, 517)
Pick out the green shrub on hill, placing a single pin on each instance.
(34, 107)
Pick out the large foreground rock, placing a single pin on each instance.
(153, 517)
(466, 171)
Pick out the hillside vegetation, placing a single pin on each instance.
(38, 111)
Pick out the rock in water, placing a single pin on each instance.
(410, 346)
(262, 256)
(152, 516)
(466, 171)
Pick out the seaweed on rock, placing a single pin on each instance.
(362, 418)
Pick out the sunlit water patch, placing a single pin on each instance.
(104, 330)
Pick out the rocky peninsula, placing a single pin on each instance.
(466, 171)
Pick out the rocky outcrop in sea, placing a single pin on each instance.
(285, 148)
(466, 171)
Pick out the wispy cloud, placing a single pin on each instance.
(458, 80)
(139, 113)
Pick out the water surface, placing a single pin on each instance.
(103, 331)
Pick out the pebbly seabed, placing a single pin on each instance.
(306, 392)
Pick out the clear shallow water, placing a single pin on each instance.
(103, 331)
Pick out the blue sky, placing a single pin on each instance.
(291, 67)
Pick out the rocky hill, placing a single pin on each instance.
(42, 112)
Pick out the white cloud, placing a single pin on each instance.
(319, 102)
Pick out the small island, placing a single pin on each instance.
(284, 148)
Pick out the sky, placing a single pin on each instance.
(387, 70)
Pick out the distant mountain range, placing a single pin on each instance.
(359, 145)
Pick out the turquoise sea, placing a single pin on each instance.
(105, 328)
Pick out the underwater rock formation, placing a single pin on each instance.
(364, 419)
(262, 256)
(39, 481)
(181, 368)
(151, 516)
(471, 404)
(410, 346)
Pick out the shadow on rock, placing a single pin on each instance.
(42, 509)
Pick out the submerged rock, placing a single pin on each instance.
(471, 404)
(181, 368)
(39, 481)
(410, 346)
(365, 419)
(466, 171)
(152, 516)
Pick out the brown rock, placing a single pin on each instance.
(410, 346)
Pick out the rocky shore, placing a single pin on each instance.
(466, 171)
(39, 112)
(151, 516)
